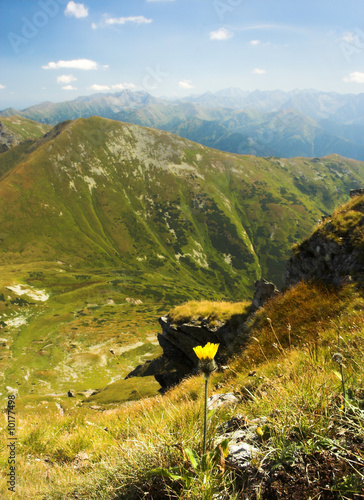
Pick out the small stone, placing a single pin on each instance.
(241, 454)
(219, 400)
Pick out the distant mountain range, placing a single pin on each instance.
(271, 123)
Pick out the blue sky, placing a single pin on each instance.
(57, 50)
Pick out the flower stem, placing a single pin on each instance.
(206, 377)
(343, 383)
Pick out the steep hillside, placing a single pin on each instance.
(286, 411)
(285, 133)
(334, 253)
(105, 105)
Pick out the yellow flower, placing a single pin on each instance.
(259, 431)
(206, 353)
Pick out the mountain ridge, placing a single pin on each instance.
(331, 122)
(80, 165)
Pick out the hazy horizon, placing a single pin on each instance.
(171, 98)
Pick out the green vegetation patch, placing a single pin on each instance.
(305, 425)
(24, 128)
(347, 223)
(131, 389)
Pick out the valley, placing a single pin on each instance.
(112, 224)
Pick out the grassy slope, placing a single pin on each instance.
(88, 183)
(75, 449)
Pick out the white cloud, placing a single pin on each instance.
(356, 77)
(66, 79)
(110, 21)
(69, 87)
(221, 34)
(255, 43)
(76, 9)
(99, 88)
(2, 86)
(185, 84)
(131, 19)
(122, 86)
(259, 71)
(85, 64)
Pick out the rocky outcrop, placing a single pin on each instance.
(264, 290)
(356, 192)
(244, 442)
(335, 251)
(178, 341)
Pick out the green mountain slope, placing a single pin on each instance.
(95, 192)
(104, 226)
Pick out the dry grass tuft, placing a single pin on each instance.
(212, 312)
(297, 318)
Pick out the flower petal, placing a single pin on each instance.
(206, 353)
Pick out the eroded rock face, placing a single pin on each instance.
(356, 192)
(333, 253)
(179, 359)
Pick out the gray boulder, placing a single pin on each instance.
(264, 290)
